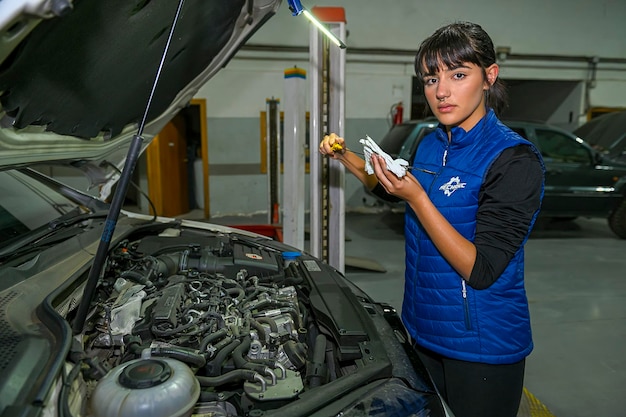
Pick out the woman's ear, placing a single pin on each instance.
(492, 74)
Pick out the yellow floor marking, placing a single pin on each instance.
(532, 407)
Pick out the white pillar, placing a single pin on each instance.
(294, 130)
(327, 115)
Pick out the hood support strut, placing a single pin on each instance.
(118, 197)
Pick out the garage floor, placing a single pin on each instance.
(576, 285)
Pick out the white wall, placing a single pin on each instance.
(582, 28)
(571, 27)
(557, 27)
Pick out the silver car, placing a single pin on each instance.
(108, 313)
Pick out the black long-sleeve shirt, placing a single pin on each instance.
(507, 202)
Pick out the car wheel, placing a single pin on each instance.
(617, 220)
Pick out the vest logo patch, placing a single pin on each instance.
(452, 185)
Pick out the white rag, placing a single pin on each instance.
(397, 166)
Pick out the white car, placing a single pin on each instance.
(105, 313)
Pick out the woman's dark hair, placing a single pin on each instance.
(459, 43)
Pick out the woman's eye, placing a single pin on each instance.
(458, 76)
(430, 81)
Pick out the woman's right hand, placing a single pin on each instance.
(332, 145)
(335, 147)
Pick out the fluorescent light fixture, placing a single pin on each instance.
(324, 29)
(296, 8)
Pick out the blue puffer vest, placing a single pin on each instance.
(441, 312)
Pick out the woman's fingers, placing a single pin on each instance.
(331, 144)
(400, 187)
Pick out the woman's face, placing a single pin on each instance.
(456, 95)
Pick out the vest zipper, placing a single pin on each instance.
(468, 323)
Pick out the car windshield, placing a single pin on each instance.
(604, 132)
(27, 205)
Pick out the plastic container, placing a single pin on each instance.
(155, 387)
(290, 257)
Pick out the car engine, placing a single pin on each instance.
(217, 325)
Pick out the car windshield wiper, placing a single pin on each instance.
(49, 233)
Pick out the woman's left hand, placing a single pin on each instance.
(405, 188)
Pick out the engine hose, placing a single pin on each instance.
(133, 344)
(272, 364)
(214, 366)
(251, 296)
(63, 400)
(270, 322)
(259, 328)
(182, 354)
(294, 315)
(135, 276)
(274, 278)
(229, 281)
(167, 264)
(242, 363)
(319, 352)
(232, 376)
(239, 291)
(171, 332)
(305, 316)
(316, 368)
(209, 396)
(222, 343)
(261, 305)
(239, 352)
(294, 276)
(211, 338)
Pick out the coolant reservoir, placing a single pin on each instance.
(155, 387)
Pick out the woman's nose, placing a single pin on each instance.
(442, 90)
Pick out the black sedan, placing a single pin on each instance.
(580, 180)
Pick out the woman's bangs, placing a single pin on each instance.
(447, 53)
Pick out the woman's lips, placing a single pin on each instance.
(445, 108)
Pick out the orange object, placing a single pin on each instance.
(269, 230)
(397, 113)
(329, 14)
(275, 213)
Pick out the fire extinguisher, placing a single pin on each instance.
(396, 112)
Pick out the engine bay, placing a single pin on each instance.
(219, 325)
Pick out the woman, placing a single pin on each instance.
(472, 201)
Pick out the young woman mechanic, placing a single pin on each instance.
(472, 201)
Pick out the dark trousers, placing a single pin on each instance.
(476, 389)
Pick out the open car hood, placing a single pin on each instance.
(76, 76)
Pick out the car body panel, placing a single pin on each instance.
(607, 134)
(77, 95)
